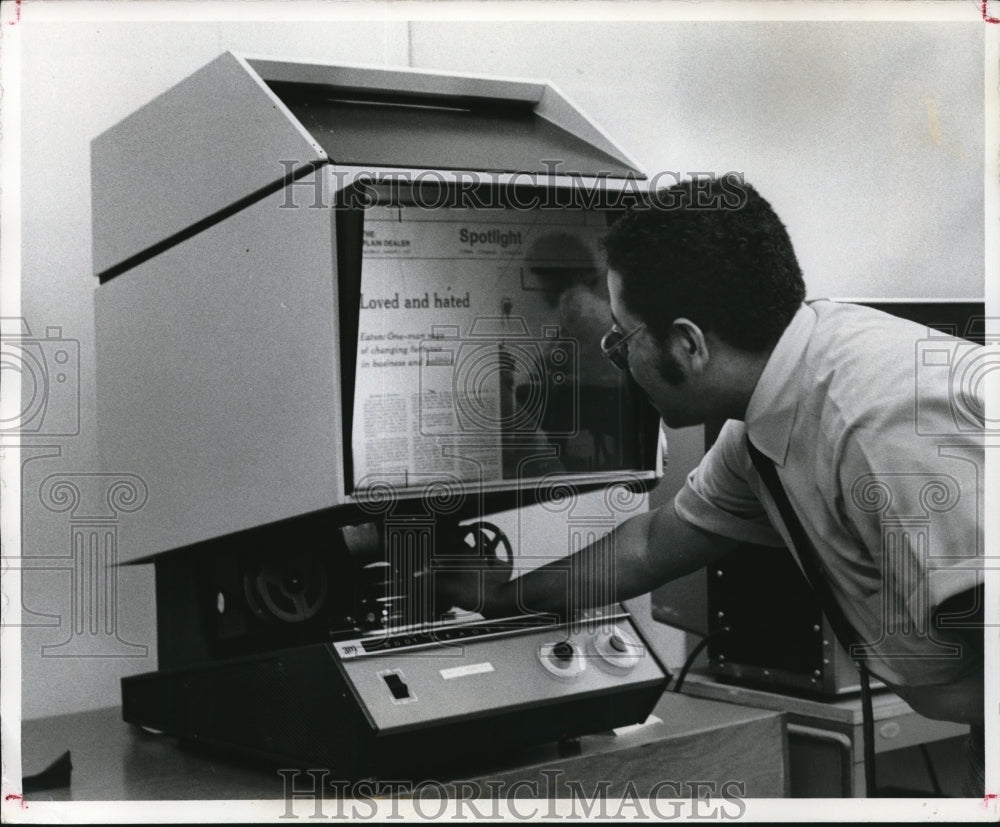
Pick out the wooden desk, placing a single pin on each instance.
(838, 723)
(695, 741)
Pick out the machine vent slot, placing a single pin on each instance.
(421, 131)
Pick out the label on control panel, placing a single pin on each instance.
(465, 671)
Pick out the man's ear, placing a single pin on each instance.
(689, 344)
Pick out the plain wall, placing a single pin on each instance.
(854, 132)
(863, 136)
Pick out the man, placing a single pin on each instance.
(709, 319)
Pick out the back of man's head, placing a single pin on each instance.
(729, 267)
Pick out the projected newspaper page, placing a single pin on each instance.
(473, 328)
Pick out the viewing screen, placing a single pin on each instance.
(479, 355)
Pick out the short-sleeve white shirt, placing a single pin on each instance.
(876, 443)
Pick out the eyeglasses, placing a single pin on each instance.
(614, 345)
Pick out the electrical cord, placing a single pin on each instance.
(868, 731)
(935, 781)
(691, 658)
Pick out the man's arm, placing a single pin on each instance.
(639, 555)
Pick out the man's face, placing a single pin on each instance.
(654, 367)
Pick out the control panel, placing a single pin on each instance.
(448, 672)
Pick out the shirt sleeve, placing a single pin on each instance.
(717, 497)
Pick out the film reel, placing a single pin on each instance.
(290, 590)
(488, 542)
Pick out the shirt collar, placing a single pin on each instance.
(774, 401)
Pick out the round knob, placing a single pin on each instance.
(562, 659)
(617, 649)
(563, 652)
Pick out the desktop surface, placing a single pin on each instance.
(687, 740)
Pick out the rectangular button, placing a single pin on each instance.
(400, 691)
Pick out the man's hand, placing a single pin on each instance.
(640, 554)
(471, 568)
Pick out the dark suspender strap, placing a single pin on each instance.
(803, 547)
(821, 588)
